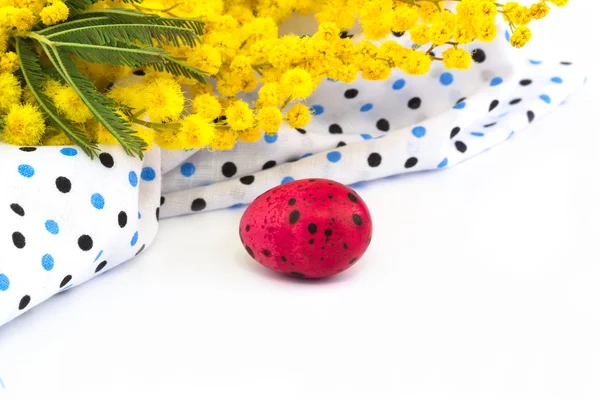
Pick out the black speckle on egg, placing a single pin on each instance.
(291, 202)
(247, 228)
(266, 253)
(312, 228)
(249, 250)
(294, 216)
(311, 241)
(295, 274)
(283, 259)
(357, 219)
(352, 197)
(345, 246)
(353, 260)
(328, 232)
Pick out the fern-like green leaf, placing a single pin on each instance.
(145, 34)
(34, 78)
(102, 107)
(77, 23)
(178, 68)
(127, 55)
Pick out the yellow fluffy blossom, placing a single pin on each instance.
(520, 36)
(269, 95)
(24, 125)
(69, 104)
(250, 135)
(223, 140)
(239, 116)
(146, 134)
(559, 3)
(269, 119)
(207, 106)
(9, 62)
(21, 19)
(328, 31)
(374, 70)
(464, 33)
(417, 63)
(443, 28)
(420, 34)
(539, 10)
(296, 83)
(103, 136)
(428, 11)
(346, 73)
(516, 13)
(241, 65)
(3, 39)
(298, 116)
(404, 18)
(206, 58)
(54, 13)
(194, 133)
(130, 96)
(53, 137)
(486, 32)
(456, 58)
(364, 51)
(10, 91)
(163, 100)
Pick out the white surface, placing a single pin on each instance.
(481, 283)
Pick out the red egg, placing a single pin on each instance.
(312, 228)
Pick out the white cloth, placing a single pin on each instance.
(362, 131)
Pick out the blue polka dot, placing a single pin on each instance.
(188, 169)
(366, 107)
(52, 227)
(496, 81)
(460, 106)
(535, 62)
(446, 79)
(148, 174)
(478, 134)
(443, 163)
(307, 155)
(399, 84)
(4, 282)
(507, 36)
(99, 255)
(270, 138)
(366, 136)
(557, 79)
(98, 201)
(287, 179)
(334, 156)
(68, 151)
(236, 205)
(317, 109)
(133, 179)
(545, 98)
(26, 170)
(134, 239)
(47, 262)
(419, 131)
(139, 215)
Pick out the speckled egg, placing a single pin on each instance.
(311, 228)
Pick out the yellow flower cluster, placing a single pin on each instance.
(242, 52)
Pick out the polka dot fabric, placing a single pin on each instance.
(369, 130)
(66, 218)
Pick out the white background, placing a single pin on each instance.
(482, 282)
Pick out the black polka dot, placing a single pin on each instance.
(414, 103)
(352, 197)
(335, 129)
(162, 200)
(291, 202)
(63, 184)
(478, 55)
(294, 216)
(374, 159)
(65, 281)
(27, 149)
(85, 242)
(266, 253)
(312, 228)
(302, 131)
(140, 250)
(383, 125)
(328, 232)
(460, 100)
(350, 93)
(353, 260)
(229, 169)
(411, 162)
(514, 101)
(122, 219)
(101, 266)
(283, 259)
(340, 144)
(157, 213)
(494, 104)
(530, 116)
(247, 180)
(295, 274)
(398, 34)
(24, 302)
(198, 205)
(249, 250)
(490, 125)
(566, 63)
(460, 146)
(17, 209)
(269, 164)
(357, 219)
(139, 72)
(454, 132)
(107, 160)
(18, 240)
(525, 82)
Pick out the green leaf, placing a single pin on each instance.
(34, 78)
(111, 34)
(102, 107)
(128, 55)
(73, 24)
(178, 68)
